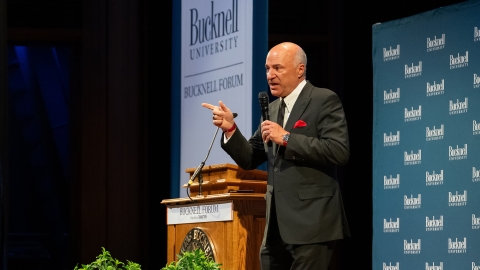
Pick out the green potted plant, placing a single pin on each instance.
(193, 260)
(105, 261)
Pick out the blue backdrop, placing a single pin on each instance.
(426, 140)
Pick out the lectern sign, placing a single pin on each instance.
(199, 212)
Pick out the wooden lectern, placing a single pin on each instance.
(234, 243)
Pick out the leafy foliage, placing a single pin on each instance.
(194, 260)
(105, 261)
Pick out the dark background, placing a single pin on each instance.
(119, 119)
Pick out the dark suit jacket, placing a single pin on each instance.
(303, 179)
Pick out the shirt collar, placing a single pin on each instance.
(290, 99)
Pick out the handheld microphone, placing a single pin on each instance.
(263, 100)
(200, 167)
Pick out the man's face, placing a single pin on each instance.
(282, 75)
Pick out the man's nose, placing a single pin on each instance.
(270, 75)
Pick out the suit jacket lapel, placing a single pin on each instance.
(299, 107)
(297, 111)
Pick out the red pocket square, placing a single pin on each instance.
(300, 123)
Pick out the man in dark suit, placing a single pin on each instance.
(305, 214)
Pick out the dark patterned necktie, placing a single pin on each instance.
(281, 113)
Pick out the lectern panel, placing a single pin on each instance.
(235, 243)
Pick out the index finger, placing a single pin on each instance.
(208, 106)
(223, 106)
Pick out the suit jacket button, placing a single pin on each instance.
(275, 169)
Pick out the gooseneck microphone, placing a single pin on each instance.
(200, 167)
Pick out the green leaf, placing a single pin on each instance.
(193, 260)
(105, 261)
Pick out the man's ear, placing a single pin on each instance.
(300, 70)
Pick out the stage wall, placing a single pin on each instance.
(426, 140)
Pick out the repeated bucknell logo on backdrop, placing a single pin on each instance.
(395, 266)
(476, 127)
(432, 224)
(476, 80)
(475, 222)
(413, 114)
(433, 266)
(459, 61)
(391, 139)
(435, 43)
(475, 174)
(458, 106)
(412, 158)
(435, 133)
(391, 226)
(391, 53)
(411, 247)
(412, 202)
(436, 88)
(391, 182)
(427, 109)
(457, 153)
(391, 96)
(457, 245)
(434, 178)
(457, 199)
(413, 70)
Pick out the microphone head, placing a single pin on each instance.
(235, 115)
(263, 99)
(262, 96)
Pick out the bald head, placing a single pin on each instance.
(286, 67)
(299, 56)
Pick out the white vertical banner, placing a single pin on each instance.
(216, 64)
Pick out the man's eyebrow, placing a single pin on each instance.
(275, 65)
